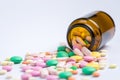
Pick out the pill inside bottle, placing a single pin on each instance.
(92, 31)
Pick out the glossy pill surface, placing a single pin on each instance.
(88, 70)
(16, 59)
(51, 62)
(65, 75)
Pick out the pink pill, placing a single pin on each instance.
(24, 68)
(41, 64)
(35, 73)
(88, 58)
(7, 68)
(36, 68)
(78, 52)
(25, 76)
(78, 46)
(46, 59)
(83, 64)
(52, 77)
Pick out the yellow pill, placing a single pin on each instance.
(112, 66)
(96, 54)
(68, 69)
(83, 35)
(94, 64)
(77, 58)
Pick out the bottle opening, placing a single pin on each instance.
(80, 35)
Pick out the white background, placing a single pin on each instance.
(40, 25)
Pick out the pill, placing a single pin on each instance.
(88, 38)
(74, 72)
(62, 54)
(65, 75)
(96, 65)
(88, 70)
(96, 54)
(77, 58)
(88, 58)
(74, 67)
(78, 52)
(25, 76)
(52, 77)
(82, 64)
(16, 59)
(4, 63)
(7, 68)
(96, 74)
(112, 66)
(44, 73)
(71, 53)
(103, 54)
(2, 72)
(61, 64)
(80, 41)
(86, 51)
(51, 62)
(78, 46)
(41, 64)
(71, 78)
(35, 73)
(61, 48)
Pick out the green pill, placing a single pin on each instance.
(16, 59)
(62, 54)
(61, 48)
(88, 70)
(71, 54)
(51, 62)
(74, 67)
(65, 75)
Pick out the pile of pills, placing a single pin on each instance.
(61, 64)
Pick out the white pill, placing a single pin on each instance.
(2, 72)
(77, 52)
(86, 51)
(8, 77)
(61, 64)
(44, 73)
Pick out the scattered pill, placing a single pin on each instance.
(2, 72)
(88, 70)
(62, 54)
(86, 51)
(88, 58)
(112, 66)
(65, 75)
(71, 78)
(16, 59)
(25, 76)
(52, 77)
(51, 62)
(7, 68)
(96, 74)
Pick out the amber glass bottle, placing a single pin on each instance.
(96, 28)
